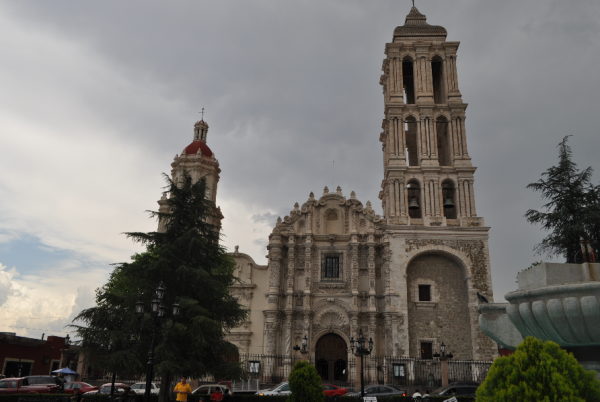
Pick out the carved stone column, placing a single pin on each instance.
(354, 275)
(472, 195)
(291, 265)
(461, 196)
(307, 265)
(288, 342)
(270, 341)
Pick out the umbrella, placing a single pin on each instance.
(66, 370)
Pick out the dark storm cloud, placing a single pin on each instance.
(290, 87)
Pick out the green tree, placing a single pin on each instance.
(305, 384)
(187, 257)
(572, 211)
(538, 371)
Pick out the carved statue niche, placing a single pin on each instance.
(330, 318)
(332, 220)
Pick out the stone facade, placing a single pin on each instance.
(408, 279)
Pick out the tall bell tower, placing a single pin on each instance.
(438, 246)
(199, 160)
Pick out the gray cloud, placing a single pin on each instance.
(288, 88)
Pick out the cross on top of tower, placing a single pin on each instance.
(202, 118)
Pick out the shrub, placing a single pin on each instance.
(538, 371)
(305, 384)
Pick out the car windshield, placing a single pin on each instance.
(3, 384)
(439, 391)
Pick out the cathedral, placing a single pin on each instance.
(408, 279)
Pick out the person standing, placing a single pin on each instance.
(183, 389)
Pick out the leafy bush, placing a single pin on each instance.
(305, 384)
(539, 371)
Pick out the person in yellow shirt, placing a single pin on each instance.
(182, 390)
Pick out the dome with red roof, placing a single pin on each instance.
(198, 145)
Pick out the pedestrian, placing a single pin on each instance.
(426, 394)
(77, 396)
(226, 395)
(217, 396)
(182, 390)
(417, 396)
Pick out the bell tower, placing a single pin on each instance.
(436, 244)
(199, 160)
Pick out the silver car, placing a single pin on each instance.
(280, 389)
(380, 390)
(140, 388)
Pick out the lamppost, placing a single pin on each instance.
(157, 316)
(443, 362)
(303, 352)
(361, 351)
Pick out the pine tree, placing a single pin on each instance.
(189, 260)
(572, 211)
(538, 371)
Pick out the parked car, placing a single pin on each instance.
(140, 388)
(22, 386)
(209, 389)
(48, 380)
(83, 387)
(279, 389)
(332, 390)
(105, 389)
(458, 389)
(226, 383)
(381, 390)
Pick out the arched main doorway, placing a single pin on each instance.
(331, 357)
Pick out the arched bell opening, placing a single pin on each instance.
(449, 199)
(410, 126)
(408, 80)
(413, 190)
(437, 72)
(443, 141)
(331, 357)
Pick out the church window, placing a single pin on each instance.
(411, 141)
(426, 350)
(438, 80)
(414, 199)
(449, 199)
(409, 81)
(424, 292)
(331, 268)
(443, 142)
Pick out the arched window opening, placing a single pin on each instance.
(409, 81)
(438, 80)
(449, 199)
(414, 199)
(411, 141)
(443, 142)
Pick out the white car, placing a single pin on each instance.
(209, 389)
(281, 389)
(140, 388)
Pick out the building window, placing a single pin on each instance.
(424, 292)
(399, 370)
(331, 268)
(426, 350)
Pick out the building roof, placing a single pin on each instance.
(195, 146)
(416, 25)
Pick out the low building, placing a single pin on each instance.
(22, 356)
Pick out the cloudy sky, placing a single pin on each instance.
(98, 97)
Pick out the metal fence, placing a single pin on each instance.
(392, 370)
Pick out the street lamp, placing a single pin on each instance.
(157, 315)
(361, 351)
(443, 354)
(304, 352)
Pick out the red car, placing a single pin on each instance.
(332, 390)
(83, 387)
